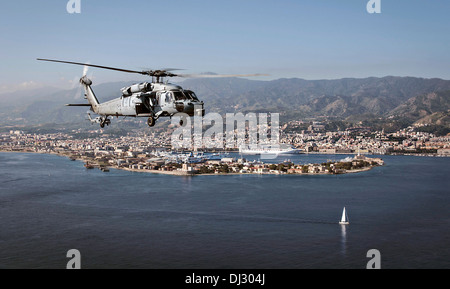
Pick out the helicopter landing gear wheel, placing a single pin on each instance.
(151, 121)
(103, 121)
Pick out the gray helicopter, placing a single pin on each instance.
(153, 99)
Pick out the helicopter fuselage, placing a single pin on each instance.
(152, 100)
(162, 100)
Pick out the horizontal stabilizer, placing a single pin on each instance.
(78, 104)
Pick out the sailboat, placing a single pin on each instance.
(344, 218)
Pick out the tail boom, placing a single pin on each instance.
(89, 93)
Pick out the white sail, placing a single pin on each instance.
(343, 215)
(344, 218)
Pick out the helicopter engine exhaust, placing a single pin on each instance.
(139, 87)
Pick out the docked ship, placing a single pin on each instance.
(267, 149)
(186, 158)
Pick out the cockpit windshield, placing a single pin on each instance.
(182, 95)
(190, 94)
(179, 95)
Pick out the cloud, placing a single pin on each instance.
(62, 83)
(26, 85)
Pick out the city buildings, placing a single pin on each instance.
(149, 151)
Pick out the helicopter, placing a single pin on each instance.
(153, 99)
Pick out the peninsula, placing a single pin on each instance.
(159, 160)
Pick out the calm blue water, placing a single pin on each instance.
(49, 204)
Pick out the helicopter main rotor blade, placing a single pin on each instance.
(171, 69)
(98, 66)
(218, 75)
(158, 73)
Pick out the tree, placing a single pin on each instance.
(224, 169)
(281, 167)
(205, 170)
(272, 167)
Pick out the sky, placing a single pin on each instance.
(309, 39)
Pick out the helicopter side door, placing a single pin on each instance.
(167, 102)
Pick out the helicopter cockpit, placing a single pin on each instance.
(178, 95)
(191, 95)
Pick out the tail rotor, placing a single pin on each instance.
(78, 93)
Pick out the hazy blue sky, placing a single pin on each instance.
(311, 39)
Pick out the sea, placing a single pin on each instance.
(120, 219)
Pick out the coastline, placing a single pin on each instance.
(94, 164)
(182, 173)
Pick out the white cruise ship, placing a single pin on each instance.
(267, 149)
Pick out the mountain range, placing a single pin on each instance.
(409, 98)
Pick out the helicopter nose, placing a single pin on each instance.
(181, 107)
(193, 109)
(188, 108)
(199, 109)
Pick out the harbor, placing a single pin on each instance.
(138, 154)
(148, 220)
(207, 165)
(191, 164)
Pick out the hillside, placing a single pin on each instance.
(424, 105)
(338, 98)
(413, 99)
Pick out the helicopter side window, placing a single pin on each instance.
(179, 95)
(168, 97)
